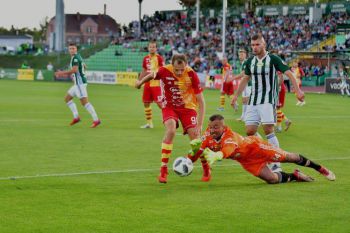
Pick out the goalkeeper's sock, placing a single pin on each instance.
(285, 177)
(305, 162)
(166, 152)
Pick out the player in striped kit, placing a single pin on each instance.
(77, 72)
(343, 85)
(242, 55)
(262, 69)
(151, 91)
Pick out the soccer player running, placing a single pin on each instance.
(242, 55)
(227, 85)
(280, 104)
(343, 85)
(262, 69)
(182, 94)
(298, 74)
(151, 89)
(253, 153)
(79, 89)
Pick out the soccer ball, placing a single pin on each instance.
(183, 166)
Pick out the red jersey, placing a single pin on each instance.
(179, 92)
(151, 63)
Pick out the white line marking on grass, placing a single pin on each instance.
(77, 173)
(127, 171)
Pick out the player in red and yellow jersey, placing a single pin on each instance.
(151, 90)
(182, 99)
(253, 154)
(280, 104)
(298, 74)
(227, 84)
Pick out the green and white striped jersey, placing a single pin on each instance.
(78, 77)
(243, 67)
(263, 74)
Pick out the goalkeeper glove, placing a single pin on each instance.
(212, 156)
(195, 145)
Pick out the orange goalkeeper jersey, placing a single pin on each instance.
(228, 144)
(251, 152)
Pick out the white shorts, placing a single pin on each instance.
(247, 91)
(262, 113)
(79, 91)
(343, 85)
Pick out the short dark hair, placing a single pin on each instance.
(257, 37)
(73, 44)
(179, 58)
(243, 50)
(216, 117)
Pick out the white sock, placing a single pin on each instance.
(73, 107)
(244, 109)
(342, 91)
(272, 139)
(347, 91)
(91, 110)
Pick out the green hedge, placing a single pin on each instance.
(40, 62)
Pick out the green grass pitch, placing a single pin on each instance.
(54, 192)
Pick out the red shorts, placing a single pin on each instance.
(256, 153)
(188, 117)
(151, 94)
(227, 88)
(281, 98)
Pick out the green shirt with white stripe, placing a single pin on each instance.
(263, 74)
(243, 66)
(79, 76)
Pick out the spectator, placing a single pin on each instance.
(49, 66)
(25, 65)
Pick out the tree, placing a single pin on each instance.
(44, 24)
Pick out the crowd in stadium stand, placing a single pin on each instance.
(283, 33)
(314, 70)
